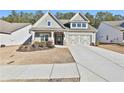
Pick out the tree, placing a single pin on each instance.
(38, 15)
(68, 15)
(14, 16)
(102, 16)
(95, 20)
(59, 15)
(90, 17)
(118, 17)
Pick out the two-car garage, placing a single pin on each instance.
(80, 38)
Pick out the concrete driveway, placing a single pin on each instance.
(97, 64)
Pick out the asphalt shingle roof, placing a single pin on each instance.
(116, 24)
(8, 28)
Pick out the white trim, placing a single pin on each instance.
(52, 37)
(123, 36)
(79, 15)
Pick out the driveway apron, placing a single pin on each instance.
(93, 65)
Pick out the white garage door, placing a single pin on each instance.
(79, 39)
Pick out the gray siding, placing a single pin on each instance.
(114, 35)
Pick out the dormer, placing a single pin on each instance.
(79, 21)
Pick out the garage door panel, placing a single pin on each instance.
(73, 40)
(79, 39)
(85, 39)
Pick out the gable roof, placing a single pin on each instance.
(48, 13)
(116, 24)
(8, 28)
(64, 23)
(78, 17)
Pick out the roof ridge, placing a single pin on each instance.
(58, 21)
(82, 15)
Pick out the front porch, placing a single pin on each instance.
(58, 38)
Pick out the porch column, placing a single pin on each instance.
(33, 35)
(52, 37)
(65, 38)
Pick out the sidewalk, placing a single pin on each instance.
(40, 72)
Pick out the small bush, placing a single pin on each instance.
(37, 44)
(121, 44)
(92, 44)
(43, 44)
(97, 43)
(49, 44)
(2, 45)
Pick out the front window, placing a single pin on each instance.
(44, 38)
(37, 34)
(49, 23)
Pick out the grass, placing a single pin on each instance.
(113, 47)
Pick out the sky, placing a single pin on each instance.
(93, 12)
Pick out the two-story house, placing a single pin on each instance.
(74, 31)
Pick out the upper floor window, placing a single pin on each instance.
(83, 24)
(73, 24)
(78, 24)
(49, 23)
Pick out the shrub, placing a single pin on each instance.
(43, 44)
(121, 44)
(49, 44)
(97, 43)
(2, 45)
(92, 44)
(37, 44)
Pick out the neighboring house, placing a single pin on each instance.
(111, 32)
(13, 33)
(74, 31)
